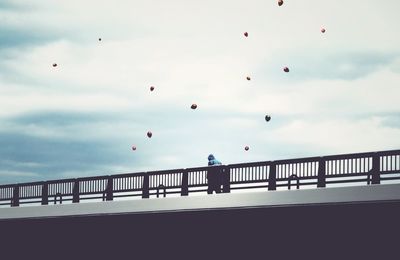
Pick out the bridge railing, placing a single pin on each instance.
(312, 172)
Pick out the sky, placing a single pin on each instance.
(82, 117)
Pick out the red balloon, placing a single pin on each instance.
(151, 88)
(149, 134)
(323, 30)
(246, 148)
(286, 69)
(246, 34)
(134, 148)
(193, 106)
(54, 64)
(280, 2)
(248, 78)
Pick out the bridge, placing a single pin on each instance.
(313, 172)
(339, 205)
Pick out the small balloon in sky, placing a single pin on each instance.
(99, 39)
(286, 69)
(248, 78)
(54, 64)
(133, 148)
(151, 88)
(267, 118)
(193, 106)
(149, 134)
(323, 30)
(280, 2)
(246, 148)
(246, 34)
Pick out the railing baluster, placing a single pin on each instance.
(362, 165)
(376, 169)
(225, 170)
(109, 188)
(185, 183)
(15, 199)
(75, 192)
(145, 186)
(272, 176)
(286, 171)
(321, 173)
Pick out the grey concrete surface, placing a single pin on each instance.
(355, 194)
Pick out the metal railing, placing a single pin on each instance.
(318, 172)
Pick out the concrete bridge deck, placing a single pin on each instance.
(284, 198)
(327, 223)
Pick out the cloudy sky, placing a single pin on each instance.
(82, 117)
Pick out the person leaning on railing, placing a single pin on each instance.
(214, 175)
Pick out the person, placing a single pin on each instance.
(214, 175)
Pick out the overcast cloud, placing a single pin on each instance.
(82, 117)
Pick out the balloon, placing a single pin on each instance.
(99, 39)
(248, 78)
(280, 2)
(246, 34)
(54, 64)
(151, 88)
(194, 106)
(134, 148)
(323, 30)
(267, 118)
(286, 69)
(246, 148)
(149, 134)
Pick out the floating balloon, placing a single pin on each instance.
(151, 88)
(267, 118)
(99, 39)
(134, 148)
(323, 30)
(149, 134)
(54, 64)
(193, 106)
(248, 78)
(246, 34)
(246, 148)
(286, 69)
(280, 2)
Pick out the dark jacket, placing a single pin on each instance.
(213, 174)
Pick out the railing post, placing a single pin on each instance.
(226, 179)
(272, 176)
(15, 199)
(145, 187)
(45, 194)
(185, 183)
(376, 171)
(75, 192)
(321, 173)
(110, 189)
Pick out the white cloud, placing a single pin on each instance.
(341, 136)
(18, 174)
